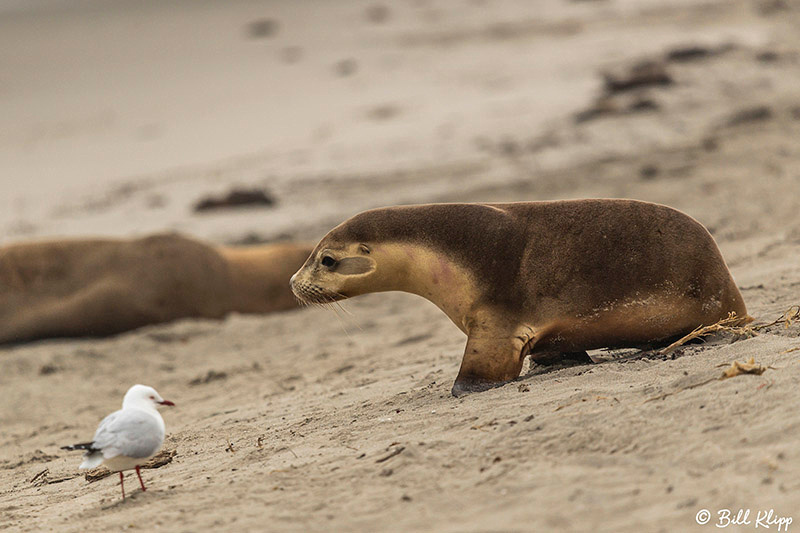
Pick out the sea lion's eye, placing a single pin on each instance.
(363, 248)
(328, 261)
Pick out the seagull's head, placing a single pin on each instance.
(143, 396)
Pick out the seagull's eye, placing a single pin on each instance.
(328, 261)
(152, 397)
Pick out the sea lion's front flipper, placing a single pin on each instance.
(489, 362)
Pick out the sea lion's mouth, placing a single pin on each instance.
(311, 294)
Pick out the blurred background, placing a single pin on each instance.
(118, 116)
(127, 117)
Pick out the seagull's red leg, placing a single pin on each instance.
(140, 479)
(122, 484)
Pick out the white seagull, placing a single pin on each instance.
(127, 438)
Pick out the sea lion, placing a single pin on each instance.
(100, 287)
(538, 278)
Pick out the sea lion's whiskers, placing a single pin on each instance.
(349, 314)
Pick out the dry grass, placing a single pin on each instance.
(737, 369)
(788, 318)
(730, 324)
(162, 458)
(733, 324)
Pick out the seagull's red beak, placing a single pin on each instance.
(167, 402)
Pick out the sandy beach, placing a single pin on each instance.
(116, 117)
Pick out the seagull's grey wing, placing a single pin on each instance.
(130, 432)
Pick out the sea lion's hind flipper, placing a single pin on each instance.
(489, 362)
(555, 358)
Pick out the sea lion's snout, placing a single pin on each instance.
(310, 288)
(333, 272)
(299, 287)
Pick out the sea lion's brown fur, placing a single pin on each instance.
(538, 278)
(100, 287)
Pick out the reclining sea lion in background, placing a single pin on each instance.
(99, 287)
(538, 278)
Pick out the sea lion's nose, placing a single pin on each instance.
(291, 280)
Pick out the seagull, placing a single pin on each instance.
(127, 438)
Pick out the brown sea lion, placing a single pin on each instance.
(538, 278)
(100, 287)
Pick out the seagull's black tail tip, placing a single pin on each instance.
(81, 446)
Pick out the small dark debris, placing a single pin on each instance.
(343, 369)
(644, 74)
(414, 339)
(688, 53)
(523, 387)
(710, 144)
(648, 172)
(48, 369)
(262, 28)
(497, 459)
(405, 498)
(40, 478)
(643, 104)
(509, 147)
(386, 472)
(690, 502)
(234, 199)
(528, 418)
(383, 112)
(396, 451)
(770, 7)
(768, 56)
(751, 114)
(346, 67)
(211, 375)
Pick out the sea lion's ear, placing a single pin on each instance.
(355, 265)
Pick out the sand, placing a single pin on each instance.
(115, 117)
